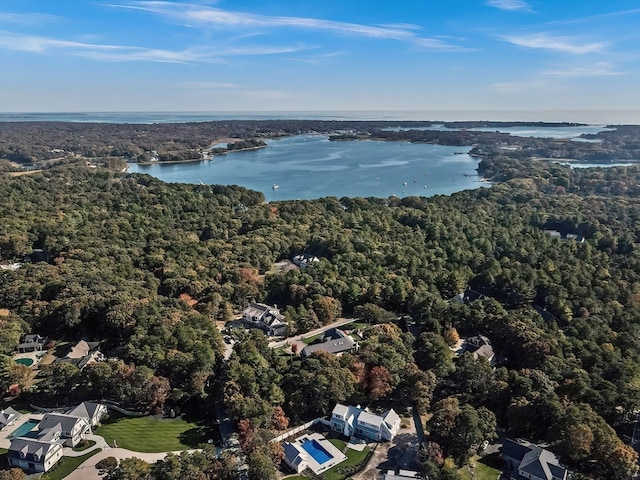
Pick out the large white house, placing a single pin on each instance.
(355, 422)
(269, 319)
(33, 455)
(70, 429)
(91, 412)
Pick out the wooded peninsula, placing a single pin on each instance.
(545, 264)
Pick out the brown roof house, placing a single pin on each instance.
(84, 353)
(480, 346)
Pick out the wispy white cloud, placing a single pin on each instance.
(550, 42)
(600, 69)
(518, 87)
(590, 18)
(204, 85)
(27, 18)
(204, 16)
(511, 5)
(123, 53)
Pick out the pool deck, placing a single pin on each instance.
(5, 434)
(336, 455)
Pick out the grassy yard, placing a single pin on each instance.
(484, 469)
(65, 466)
(152, 435)
(353, 458)
(313, 338)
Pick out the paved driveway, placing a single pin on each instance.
(88, 470)
(399, 453)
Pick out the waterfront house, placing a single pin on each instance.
(355, 422)
(269, 319)
(33, 455)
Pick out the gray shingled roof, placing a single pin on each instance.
(29, 447)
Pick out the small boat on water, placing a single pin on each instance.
(275, 186)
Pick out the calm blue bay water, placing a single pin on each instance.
(310, 166)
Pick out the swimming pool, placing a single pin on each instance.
(24, 429)
(25, 361)
(318, 453)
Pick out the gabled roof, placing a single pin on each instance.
(7, 416)
(65, 422)
(293, 455)
(335, 341)
(391, 418)
(85, 410)
(534, 460)
(30, 447)
(341, 410)
(370, 419)
(82, 349)
(542, 464)
(50, 434)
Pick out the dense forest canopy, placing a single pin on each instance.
(147, 267)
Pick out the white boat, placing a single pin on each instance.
(275, 186)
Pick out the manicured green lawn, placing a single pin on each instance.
(65, 466)
(152, 435)
(310, 340)
(353, 458)
(481, 469)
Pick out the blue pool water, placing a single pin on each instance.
(25, 428)
(318, 453)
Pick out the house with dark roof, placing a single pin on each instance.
(334, 341)
(480, 346)
(357, 422)
(33, 455)
(91, 412)
(269, 319)
(71, 429)
(526, 461)
(31, 343)
(8, 416)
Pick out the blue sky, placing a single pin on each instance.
(256, 55)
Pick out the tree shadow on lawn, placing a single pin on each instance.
(492, 460)
(196, 436)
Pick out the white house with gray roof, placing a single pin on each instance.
(356, 422)
(527, 461)
(72, 429)
(33, 455)
(91, 412)
(8, 416)
(269, 319)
